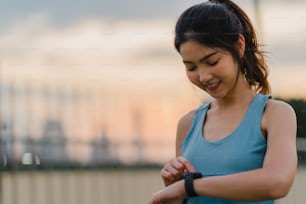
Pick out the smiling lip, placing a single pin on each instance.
(213, 87)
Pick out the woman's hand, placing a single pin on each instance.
(172, 194)
(173, 170)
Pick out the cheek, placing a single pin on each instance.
(226, 68)
(192, 76)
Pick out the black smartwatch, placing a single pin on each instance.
(189, 177)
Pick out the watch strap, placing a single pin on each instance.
(189, 187)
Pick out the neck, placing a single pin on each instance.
(241, 96)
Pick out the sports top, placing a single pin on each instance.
(242, 150)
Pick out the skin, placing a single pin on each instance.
(216, 72)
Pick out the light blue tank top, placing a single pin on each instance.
(242, 150)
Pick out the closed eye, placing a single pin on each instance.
(213, 63)
(191, 68)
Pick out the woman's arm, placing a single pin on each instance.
(275, 178)
(174, 169)
(272, 181)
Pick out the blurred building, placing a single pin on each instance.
(62, 123)
(34, 121)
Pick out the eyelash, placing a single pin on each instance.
(209, 64)
(191, 68)
(213, 64)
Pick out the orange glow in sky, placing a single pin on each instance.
(133, 75)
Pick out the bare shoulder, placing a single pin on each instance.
(275, 108)
(279, 115)
(183, 128)
(185, 122)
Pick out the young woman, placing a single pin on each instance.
(240, 147)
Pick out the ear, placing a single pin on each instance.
(241, 45)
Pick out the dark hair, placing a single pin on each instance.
(218, 24)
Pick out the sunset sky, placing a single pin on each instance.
(123, 52)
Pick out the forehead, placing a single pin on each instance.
(195, 50)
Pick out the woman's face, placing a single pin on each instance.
(212, 70)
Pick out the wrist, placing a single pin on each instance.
(189, 184)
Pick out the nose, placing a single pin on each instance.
(204, 75)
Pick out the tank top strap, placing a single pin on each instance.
(195, 129)
(257, 107)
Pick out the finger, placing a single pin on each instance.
(175, 168)
(177, 164)
(167, 177)
(188, 166)
(170, 177)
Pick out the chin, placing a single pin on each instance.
(217, 95)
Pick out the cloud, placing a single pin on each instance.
(90, 48)
(63, 13)
(131, 51)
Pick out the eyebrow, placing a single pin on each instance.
(202, 59)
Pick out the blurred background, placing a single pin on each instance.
(91, 92)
